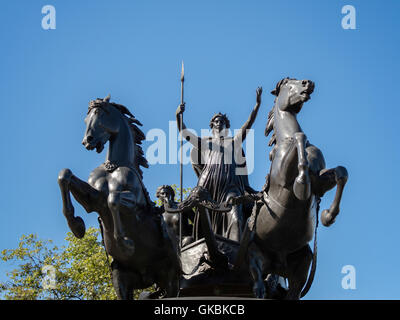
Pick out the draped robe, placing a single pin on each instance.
(222, 171)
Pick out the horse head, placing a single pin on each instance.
(293, 93)
(102, 122)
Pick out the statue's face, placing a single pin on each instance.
(164, 195)
(218, 124)
(296, 92)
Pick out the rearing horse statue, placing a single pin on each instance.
(134, 235)
(285, 219)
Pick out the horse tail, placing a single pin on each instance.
(314, 261)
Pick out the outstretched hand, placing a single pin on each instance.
(259, 93)
(180, 109)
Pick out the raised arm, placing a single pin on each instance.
(189, 136)
(247, 125)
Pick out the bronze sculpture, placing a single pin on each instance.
(179, 227)
(134, 234)
(288, 206)
(244, 243)
(217, 167)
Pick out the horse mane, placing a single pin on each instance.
(270, 127)
(133, 124)
(138, 135)
(270, 123)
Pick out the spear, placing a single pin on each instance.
(181, 166)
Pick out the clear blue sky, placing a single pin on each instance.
(133, 50)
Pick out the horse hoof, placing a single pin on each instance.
(327, 218)
(77, 226)
(259, 291)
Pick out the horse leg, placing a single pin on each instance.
(326, 181)
(168, 279)
(302, 183)
(83, 193)
(298, 264)
(173, 272)
(172, 286)
(122, 282)
(257, 263)
(114, 202)
(276, 287)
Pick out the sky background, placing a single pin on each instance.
(133, 50)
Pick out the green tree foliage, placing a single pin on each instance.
(81, 269)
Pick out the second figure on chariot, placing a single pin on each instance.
(220, 165)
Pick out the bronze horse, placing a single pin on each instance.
(135, 236)
(288, 206)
